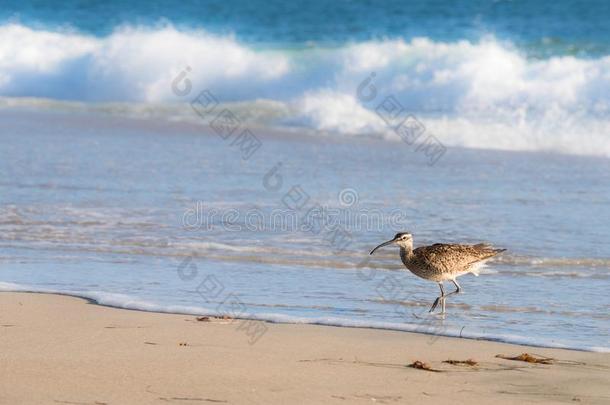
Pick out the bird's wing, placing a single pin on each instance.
(450, 257)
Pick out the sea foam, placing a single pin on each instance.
(484, 94)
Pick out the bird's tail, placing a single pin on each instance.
(489, 252)
(487, 248)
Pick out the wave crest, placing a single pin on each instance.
(485, 94)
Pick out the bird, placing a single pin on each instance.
(441, 262)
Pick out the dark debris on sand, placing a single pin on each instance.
(528, 358)
(420, 365)
(469, 362)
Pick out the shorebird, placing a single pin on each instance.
(441, 262)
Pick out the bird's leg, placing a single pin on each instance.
(457, 286)
(438, 299)
(444, 296)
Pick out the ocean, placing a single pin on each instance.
(241, 158)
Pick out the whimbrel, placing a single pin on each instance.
(441, 262)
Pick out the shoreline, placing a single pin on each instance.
(55, 349)
(194, 127)
(279, 319)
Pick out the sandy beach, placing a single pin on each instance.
(63, 350)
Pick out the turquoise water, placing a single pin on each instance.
(558, 27)
(113, 186)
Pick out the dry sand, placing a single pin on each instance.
(62, 350)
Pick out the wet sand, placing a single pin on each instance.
(63, 350)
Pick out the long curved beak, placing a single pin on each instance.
(382, 245)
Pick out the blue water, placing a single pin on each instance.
(111, 183)
(565, 26)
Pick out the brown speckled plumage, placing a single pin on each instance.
(441, 262)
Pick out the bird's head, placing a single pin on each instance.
(402, 239)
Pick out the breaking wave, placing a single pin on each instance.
(484, 94)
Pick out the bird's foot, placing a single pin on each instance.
(439, 300)
(435, 304)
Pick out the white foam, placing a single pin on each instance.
(132, 64)
(483, 94)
